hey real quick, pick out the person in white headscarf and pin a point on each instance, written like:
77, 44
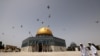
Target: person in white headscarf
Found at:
84, 50
93, 50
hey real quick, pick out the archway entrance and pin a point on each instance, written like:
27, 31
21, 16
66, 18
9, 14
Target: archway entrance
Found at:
40, 47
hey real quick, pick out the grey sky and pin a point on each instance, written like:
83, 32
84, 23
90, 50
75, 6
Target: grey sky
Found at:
72, 20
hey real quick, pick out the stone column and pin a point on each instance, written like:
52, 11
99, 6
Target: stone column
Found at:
76, 49
37, 47
42, 47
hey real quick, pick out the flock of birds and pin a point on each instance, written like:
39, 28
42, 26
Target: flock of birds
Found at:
21, 26
49, 16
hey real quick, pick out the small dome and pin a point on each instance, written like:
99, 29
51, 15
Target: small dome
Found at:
44, 31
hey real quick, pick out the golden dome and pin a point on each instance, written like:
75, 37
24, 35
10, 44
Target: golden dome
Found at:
43, 31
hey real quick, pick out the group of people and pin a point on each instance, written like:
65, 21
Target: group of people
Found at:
85, 51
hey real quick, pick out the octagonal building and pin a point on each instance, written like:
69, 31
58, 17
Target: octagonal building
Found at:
44, 41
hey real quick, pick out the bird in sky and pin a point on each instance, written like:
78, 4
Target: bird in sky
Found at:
49, 16
21, 26
48, 25
97, 21
2, 33
48, 7
13, 27
37, 19
42, 22
29, 32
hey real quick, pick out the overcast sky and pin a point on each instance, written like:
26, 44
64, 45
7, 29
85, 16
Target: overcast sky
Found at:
72, 20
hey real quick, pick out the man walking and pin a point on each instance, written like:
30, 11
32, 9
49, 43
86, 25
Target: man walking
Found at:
93, 50
84, 50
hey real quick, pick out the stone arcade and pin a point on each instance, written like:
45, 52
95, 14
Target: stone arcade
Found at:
44, 41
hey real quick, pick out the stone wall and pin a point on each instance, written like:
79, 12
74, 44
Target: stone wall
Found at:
44, 48
58, 48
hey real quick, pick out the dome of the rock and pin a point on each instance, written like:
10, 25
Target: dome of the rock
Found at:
44, 31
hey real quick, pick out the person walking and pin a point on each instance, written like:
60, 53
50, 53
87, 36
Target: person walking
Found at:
93, 50
84, 50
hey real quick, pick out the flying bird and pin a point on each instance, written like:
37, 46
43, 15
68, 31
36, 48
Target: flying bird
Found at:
48, 7
21, 26
49, 16
29, 32
97, 21
2, 33
37, 19
13, 27
48, 25
42, 22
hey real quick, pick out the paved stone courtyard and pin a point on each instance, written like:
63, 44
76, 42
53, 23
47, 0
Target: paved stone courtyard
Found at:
67, 53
